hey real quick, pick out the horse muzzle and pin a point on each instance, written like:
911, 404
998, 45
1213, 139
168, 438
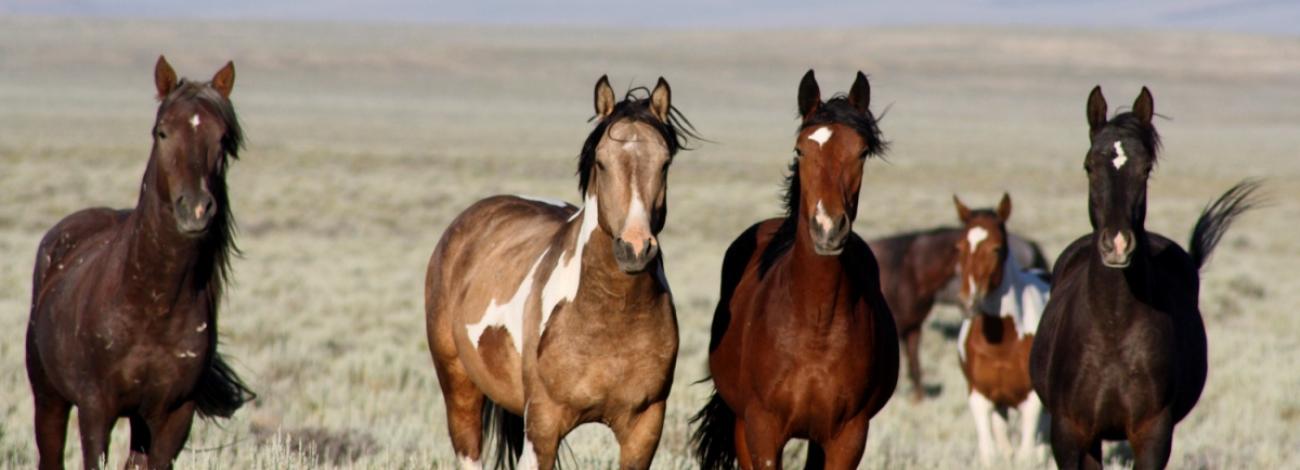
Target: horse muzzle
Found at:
633, 256
1116, 248
194, 213
829, 235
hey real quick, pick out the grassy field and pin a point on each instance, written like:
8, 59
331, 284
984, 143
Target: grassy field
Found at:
364, 141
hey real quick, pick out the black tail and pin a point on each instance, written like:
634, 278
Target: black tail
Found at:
1216, 218
507, 430
220, 392
715, 435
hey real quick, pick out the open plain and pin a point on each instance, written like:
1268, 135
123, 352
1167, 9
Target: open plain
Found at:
364, 141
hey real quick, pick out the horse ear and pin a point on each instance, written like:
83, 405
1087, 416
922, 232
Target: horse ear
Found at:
604, 97
164, 78
860, 94
224, 80
1144, 106
963, 212
661, 100
810, 96
1004, 208
1096, 110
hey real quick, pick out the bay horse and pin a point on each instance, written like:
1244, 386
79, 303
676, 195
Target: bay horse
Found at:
803, 344
1121, 350
918, 270
124, 302
542, 316
1004, 303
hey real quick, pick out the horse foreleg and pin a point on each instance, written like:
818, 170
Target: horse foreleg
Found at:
96, 425
844, 451
1152, 441
1031, 414
638, 436
1072, 448
545, 425
140, 440
764, 439
170, 430
51, 429
464, 403
981, 409
1000, 433
913, 341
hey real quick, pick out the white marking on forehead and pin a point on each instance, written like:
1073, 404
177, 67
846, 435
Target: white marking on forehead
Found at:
975, 236
562, 285
822, 217
821, 135
194, 121
1120, 156
510, 314
543, 200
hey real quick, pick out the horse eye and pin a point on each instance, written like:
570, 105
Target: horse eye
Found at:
600, 166
797, 152
161, 134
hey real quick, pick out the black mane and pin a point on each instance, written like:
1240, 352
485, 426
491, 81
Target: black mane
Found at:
836, 110
676, 132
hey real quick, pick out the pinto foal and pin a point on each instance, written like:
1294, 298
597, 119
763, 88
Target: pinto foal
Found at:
542, 316
1004, 301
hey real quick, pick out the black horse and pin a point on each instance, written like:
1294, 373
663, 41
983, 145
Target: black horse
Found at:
1121, 350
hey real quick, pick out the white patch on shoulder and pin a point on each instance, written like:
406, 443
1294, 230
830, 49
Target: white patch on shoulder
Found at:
823, 219
562, 285
510, 314
975, 236
821, 135
194, 121
1120, 156
543, 200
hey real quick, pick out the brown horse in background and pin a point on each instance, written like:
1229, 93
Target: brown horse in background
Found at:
542, 316
1004, 303
803, 344
1121, 352
917, 270
124, 302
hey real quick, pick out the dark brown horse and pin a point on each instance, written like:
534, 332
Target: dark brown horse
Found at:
124, 302
1004, 304
1121, 350
917, 270
542, 316
803, 344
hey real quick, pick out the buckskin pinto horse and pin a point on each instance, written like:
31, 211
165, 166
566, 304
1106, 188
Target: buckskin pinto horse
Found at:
1121, 350
124, 302
918, 269
543, 316
1004, 304
803, 344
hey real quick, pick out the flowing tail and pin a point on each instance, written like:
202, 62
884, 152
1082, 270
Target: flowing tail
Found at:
220, 392
506, 431
715, 435
1218, 216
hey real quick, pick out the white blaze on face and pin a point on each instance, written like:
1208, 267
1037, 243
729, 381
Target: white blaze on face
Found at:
194, 121
638, 220
562, 285
510, 314
975, 236
823, 219
1121, 243
1120, 156
821, 135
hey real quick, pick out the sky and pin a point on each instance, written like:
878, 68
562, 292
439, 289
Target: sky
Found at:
1276, 17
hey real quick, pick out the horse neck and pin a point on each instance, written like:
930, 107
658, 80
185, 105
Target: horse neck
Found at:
820, 281
600, 278
161, 264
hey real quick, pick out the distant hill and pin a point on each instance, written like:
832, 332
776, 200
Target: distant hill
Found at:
1246, 16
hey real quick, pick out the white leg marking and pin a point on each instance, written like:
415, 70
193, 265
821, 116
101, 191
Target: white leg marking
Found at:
981, 409
528, 457
961, 339
975, 236
1120, 156
543, 200
1031, 411
466, 463
823, 219
821, 135
510, 314
1000, 435
562, 285
194, 121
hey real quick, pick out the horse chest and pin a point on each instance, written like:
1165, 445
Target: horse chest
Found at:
996, 360
586, 359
